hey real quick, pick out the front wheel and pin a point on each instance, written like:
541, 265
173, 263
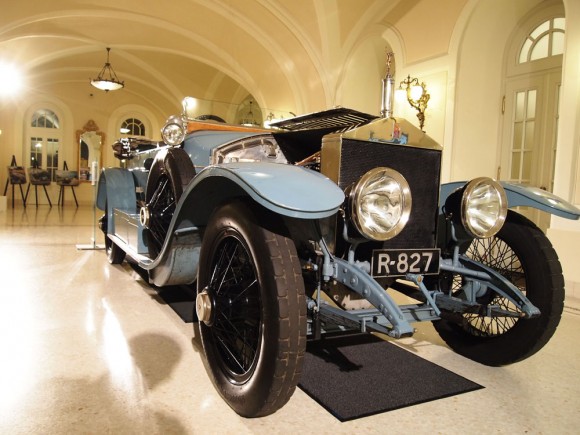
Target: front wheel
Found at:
252, 310
524, 255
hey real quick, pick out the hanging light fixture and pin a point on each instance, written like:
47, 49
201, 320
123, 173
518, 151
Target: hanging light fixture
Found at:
107, 80
249, 120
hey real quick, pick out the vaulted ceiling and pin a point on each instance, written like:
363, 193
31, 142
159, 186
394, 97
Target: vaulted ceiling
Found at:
288, 55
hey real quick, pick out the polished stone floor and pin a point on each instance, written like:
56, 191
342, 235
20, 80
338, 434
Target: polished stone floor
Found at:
87, 347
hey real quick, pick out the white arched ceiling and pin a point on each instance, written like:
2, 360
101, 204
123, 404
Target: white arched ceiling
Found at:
289, 56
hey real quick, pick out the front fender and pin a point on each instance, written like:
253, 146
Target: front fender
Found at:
284, 189
520, 195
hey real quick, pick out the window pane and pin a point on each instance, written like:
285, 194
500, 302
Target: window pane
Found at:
518, 136
525, 50
527, 167
560, 23
36, 151
557, 43
531, 109
541, 49
515, 170
520, 99
544, 27
529, 140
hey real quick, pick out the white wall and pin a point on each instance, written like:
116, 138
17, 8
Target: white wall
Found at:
565, 234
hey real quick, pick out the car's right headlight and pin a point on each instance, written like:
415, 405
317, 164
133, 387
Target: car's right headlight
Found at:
173, 132
480, 206
380, 204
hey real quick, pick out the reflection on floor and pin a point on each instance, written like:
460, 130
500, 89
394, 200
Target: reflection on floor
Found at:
88, 348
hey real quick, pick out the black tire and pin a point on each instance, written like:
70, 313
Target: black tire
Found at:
115, 255
170, 173
525, 256
253, 346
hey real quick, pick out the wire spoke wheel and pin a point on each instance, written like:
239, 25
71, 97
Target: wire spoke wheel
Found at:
161, 208
252, 309
236, 330
522, 254
497, 254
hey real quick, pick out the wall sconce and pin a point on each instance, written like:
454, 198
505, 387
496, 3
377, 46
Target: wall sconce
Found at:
417, 96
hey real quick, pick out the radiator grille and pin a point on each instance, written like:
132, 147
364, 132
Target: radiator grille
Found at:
421, 167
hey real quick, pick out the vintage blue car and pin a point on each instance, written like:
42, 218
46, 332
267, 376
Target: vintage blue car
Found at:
292, 232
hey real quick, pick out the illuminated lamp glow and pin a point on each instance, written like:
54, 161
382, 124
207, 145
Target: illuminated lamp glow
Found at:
10, 80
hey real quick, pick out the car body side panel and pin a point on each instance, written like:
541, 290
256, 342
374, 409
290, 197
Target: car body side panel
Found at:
116, 191
520, 195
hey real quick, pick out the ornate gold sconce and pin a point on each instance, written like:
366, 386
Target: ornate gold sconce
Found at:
417, 96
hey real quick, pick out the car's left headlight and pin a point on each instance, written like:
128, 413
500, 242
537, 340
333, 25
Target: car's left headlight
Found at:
480, 205
173, 132
380, 204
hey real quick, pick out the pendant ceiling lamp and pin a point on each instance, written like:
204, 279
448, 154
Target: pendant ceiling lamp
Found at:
107, 80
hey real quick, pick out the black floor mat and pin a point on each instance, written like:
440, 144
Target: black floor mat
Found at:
361, 375
356, 375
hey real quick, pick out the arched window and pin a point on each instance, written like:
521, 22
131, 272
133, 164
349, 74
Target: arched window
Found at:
532, 91
44, 118
133, 127
545, 40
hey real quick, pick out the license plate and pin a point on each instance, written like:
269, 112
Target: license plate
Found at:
400, 262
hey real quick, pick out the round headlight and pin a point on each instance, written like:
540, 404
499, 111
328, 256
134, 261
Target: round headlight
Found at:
483, 207
173, 132
380, 204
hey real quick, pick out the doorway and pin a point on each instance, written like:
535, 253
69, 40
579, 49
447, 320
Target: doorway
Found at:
530, 110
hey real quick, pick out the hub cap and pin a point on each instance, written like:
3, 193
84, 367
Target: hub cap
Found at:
203, 307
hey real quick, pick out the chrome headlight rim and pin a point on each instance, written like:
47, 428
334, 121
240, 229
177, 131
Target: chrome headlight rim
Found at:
173, 132
472, 188
359, 190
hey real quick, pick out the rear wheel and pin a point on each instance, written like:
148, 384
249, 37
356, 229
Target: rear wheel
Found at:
115, 255
252, 311
522, 254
